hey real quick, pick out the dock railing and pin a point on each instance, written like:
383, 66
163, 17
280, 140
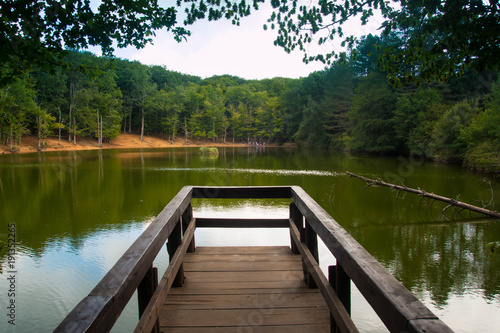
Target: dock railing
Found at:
397, 307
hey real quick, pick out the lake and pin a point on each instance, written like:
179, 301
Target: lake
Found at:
74, 213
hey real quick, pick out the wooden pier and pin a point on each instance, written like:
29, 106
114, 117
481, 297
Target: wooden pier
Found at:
244, 289
248, 289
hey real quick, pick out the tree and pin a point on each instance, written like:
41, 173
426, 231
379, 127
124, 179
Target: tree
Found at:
447, 142
167, 107
482, 136
337, 101
444, 37
17, 106
372, 110
143, 87
37, 33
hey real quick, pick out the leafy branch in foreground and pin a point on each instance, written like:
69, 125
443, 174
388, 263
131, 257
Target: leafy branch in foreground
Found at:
442, 37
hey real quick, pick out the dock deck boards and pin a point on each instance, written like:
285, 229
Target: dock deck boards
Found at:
244, 289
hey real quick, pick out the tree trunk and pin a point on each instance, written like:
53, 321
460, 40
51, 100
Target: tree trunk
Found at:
130, 120
142, 124
173, 131
60, 122
39, 132
74, 131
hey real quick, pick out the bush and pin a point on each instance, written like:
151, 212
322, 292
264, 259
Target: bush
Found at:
209, 151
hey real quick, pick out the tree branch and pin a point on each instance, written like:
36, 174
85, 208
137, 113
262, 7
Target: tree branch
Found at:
451, 202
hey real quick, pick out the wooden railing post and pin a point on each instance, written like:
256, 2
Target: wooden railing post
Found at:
187, 216
174, 241
311, 240
341, 283
298, 219
145, 291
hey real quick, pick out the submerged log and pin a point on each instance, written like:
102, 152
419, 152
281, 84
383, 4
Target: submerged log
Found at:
451, 202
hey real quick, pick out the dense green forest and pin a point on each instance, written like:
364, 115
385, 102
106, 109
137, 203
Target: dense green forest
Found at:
349, 105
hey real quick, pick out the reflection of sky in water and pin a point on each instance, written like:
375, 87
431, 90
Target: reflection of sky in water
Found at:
241, 237
64, 274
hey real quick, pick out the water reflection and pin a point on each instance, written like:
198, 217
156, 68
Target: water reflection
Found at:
77, 212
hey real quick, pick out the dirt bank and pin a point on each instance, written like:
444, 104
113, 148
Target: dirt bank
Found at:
125, 141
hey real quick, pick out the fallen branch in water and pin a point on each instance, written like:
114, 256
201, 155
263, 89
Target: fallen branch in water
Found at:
451, 202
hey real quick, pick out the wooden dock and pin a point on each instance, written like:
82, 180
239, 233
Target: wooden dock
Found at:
248, 289
244, 289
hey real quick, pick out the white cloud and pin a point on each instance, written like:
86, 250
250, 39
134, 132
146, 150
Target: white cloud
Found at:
217, 48
247, 51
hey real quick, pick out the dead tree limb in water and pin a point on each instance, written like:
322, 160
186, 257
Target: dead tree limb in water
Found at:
451, 202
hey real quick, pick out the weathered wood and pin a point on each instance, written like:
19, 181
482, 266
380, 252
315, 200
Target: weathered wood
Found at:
272, 299
250, 329
174, 241
341, 283
272, 257
145, 292
393, 303
241, 192
187, 217
240, 266
240, 223
248, 287
298, 219
243, 301
242, 317
245, 276
243, 250
342, 318
451, 202
311, 241
120, 283
150, 316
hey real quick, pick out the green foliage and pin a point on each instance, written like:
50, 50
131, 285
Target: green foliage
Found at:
209, 151
372, 111
344, 106
482, 136
442, 38
414, 119
447, 141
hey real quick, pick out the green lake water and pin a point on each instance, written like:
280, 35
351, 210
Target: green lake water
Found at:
74, 213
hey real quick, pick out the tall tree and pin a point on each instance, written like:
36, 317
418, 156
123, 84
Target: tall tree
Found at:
143, 87
371, 114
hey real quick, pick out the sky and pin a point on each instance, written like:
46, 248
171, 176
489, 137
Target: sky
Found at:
218, 48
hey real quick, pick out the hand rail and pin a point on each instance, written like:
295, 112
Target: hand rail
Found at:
398, 308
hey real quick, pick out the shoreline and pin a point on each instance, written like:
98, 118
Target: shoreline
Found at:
123, 141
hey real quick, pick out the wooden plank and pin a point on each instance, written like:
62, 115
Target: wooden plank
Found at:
248, 287
272, 257
393, 303
241, 192
239, 266
253, 329
173, 317
241, 250
244, 276
247, 295
268, 300
204, 222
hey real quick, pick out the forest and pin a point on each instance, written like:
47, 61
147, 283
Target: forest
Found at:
350, 105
